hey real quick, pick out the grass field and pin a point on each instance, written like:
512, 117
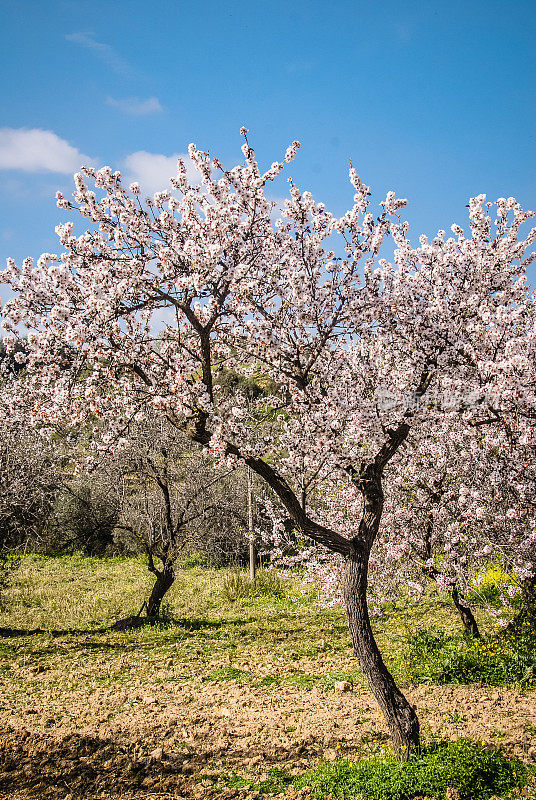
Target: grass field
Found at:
227, 698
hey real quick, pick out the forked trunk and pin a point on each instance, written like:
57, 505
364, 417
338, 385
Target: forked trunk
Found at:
466, 615
399, 713
164, 581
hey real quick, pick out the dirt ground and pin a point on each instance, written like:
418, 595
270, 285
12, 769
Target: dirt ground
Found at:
190, 739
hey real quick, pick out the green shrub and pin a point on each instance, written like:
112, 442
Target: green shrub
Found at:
501, 660
236, 585
193, 560
475, 772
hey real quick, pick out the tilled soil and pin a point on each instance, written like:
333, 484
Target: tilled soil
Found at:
188, 740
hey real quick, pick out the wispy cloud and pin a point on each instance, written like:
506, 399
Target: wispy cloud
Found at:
153, 170
103, 51
36, 150
135, 106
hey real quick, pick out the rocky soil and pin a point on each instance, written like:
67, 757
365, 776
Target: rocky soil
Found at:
191, 739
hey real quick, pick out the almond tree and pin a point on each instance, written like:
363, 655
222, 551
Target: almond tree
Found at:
456, 511
171, 499
30, 478
354, 344
454, 507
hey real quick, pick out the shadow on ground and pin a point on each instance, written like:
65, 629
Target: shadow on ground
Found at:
41, 766
126, 624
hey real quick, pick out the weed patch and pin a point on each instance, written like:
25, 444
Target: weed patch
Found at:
505, 659
472, 771
236, 585
240, 676
276, 781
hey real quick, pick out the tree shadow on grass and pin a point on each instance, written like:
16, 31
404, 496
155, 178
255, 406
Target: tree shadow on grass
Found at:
135, 622
13, 633
126, 624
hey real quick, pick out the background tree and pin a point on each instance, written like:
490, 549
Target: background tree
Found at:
84, 517
171, 501
30, 476
29, 482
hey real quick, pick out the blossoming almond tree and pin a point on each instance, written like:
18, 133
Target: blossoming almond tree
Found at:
353, 344
460, 506
454, 508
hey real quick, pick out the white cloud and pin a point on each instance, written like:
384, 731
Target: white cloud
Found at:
103, 51
36, 150
135, 106
153, 170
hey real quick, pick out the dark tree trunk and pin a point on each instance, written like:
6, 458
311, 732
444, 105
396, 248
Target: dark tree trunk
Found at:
527, 612
468, 620
165, 578
466, 615
399, 714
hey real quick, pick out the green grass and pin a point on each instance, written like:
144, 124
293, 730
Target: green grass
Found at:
474, 772
262, 639
237, 585
276, 781
73, 592
258, 636
503, 659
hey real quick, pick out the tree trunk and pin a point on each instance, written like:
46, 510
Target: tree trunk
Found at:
164, 581
399, 714
527, 612
252, 553
468, 620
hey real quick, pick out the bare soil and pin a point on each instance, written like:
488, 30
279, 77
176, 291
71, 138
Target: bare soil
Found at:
187, 739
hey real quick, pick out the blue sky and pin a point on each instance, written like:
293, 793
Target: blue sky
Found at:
435, 100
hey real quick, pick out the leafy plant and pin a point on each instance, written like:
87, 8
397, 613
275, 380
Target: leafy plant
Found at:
504, 659
491, 585
275, 782
474, 772
193, 559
